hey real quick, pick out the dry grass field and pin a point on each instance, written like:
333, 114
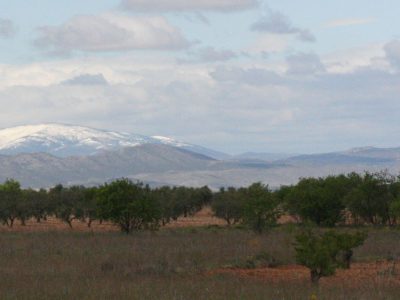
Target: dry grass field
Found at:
194, 258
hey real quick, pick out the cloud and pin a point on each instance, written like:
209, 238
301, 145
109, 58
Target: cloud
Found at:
277, 23
349, 22
350, 59
251, 76
304, 64
236, 107
209, 55
268, 43
108, 33
7, 29
392, 52
188, 5
86, 79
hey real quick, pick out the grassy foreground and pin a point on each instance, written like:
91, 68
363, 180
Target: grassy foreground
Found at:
175, 264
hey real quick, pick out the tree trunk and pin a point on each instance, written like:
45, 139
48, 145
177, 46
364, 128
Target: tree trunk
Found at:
347, 255
125, 227
315, 276
69, 222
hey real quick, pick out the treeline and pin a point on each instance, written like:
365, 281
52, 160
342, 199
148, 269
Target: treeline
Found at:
131, 206
370, 198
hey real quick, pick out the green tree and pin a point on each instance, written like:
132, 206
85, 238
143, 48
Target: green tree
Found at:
370, 201
24, 207
228, 204
131, 206
324, 253
40, 204
260, 208
86, 207
169, 204
66, 202
10, 195
319, 200
346, 242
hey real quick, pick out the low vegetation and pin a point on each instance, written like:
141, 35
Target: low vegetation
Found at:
333, 222
185, 263
324, 253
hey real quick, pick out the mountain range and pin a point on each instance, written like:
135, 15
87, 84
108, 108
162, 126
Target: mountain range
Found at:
69, 140
48, 154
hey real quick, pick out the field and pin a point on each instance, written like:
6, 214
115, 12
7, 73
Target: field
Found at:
183, 262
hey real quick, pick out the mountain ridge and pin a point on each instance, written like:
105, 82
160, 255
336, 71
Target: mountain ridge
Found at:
65, 140
162, 160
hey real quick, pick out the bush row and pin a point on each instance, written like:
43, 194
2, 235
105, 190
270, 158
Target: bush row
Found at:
370, 198
129, 205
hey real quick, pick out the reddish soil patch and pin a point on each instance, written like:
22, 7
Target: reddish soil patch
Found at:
359, 274
205, 217
54, 224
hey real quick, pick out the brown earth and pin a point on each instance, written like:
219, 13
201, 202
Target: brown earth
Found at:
360, 274
205, 217
202, 218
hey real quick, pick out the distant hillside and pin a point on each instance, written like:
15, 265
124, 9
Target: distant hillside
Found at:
167, 165
41, 169
262, 156
78, 155
70, 140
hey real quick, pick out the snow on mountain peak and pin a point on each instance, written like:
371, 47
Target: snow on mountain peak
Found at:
169, 141
67, 140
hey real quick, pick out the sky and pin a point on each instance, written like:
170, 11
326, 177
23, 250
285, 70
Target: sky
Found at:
237, 76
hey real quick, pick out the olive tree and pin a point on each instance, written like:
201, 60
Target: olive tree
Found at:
129, 205
260, 208
324, 253
228, 204
10, 195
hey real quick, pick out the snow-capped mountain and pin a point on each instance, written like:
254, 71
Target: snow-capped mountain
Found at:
70, 140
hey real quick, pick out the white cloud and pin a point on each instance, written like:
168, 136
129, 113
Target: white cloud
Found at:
111, 32
202, 103
349, 60
349, 22
304, 64
269, 43
251, 76
209, 55
188, 5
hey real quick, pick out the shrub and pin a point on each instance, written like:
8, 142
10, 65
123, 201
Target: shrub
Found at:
323, 254
10, 195
261, 208
318, 200
129, 205
228, 205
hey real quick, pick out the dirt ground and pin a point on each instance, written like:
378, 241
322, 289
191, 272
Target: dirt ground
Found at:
203, 218
359, 274
380, 273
